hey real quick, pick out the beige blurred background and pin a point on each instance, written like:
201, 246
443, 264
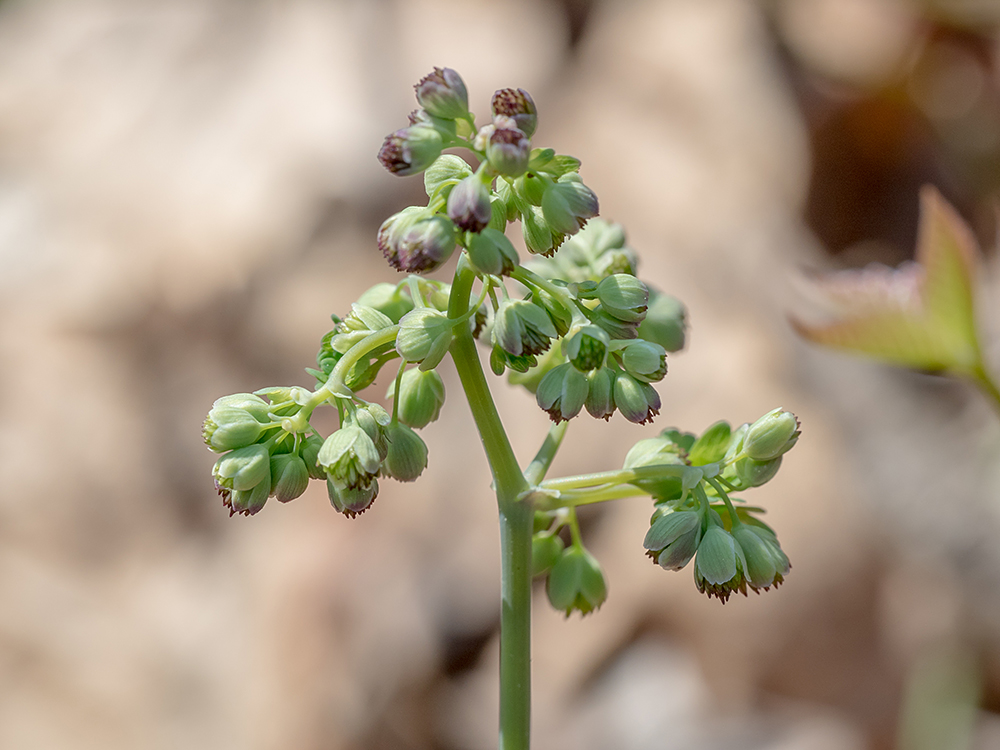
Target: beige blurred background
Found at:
188, 189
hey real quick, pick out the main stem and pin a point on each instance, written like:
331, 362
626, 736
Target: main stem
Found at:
516, 520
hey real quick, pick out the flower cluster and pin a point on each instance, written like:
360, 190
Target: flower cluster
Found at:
574, 325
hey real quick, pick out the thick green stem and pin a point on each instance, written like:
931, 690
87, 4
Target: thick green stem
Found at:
516, 519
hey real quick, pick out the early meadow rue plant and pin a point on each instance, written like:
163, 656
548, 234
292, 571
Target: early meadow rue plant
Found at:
572, 324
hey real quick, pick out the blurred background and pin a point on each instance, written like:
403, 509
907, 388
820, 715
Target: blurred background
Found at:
188, 189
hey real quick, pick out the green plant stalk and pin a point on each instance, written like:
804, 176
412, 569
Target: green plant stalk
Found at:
516, 519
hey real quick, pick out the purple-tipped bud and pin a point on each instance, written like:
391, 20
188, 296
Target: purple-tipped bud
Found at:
442, 93
469, 205
508, 148
410, 150
426, 245
517, 104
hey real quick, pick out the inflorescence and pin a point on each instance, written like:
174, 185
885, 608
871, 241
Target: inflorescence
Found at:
573, 324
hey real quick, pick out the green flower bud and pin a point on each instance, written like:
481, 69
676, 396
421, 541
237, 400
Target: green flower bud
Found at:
616, 261
425, 246
665, 322
522, 328
407, 456
388, 300
421, 395
505, 192
615, 328
350, 457
518, 105
247, 502
424, 336
351, 501
772, 435
644, 360
561, 316
546, 549
562, 392
289, 476
444, 174
600, 401
766, 564
576, 582
756, 473
530, 188
719, 566
373, 419
251, 403
638, 402
498, 214
658, 451
442, 93
538, 235
736, 442
469, 205
243, 468
673, 538
229, 427
492, 253
508, 148
568, 204
310, 456
410, 150
587, 348
711, 446
623, 297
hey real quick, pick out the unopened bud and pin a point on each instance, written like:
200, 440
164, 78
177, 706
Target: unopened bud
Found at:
407, 456
522, 328
720, 565
587, 348
469, 205
772, 435
424, 336
410, 150
492, 253
568, 204
243, 468
562, 392
638, 402
351, 501
576, 582
443, 94
672, 539
644, 360
421, 395
289, 476
518, 105
507, 148
229, 427
600, 401
624, 297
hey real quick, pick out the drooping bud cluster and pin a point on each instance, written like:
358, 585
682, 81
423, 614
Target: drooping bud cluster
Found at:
574, 581
694, 518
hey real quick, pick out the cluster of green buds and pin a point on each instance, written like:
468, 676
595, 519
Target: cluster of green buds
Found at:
574, 325
691, 480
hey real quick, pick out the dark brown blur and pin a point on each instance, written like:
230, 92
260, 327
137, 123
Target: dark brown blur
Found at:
188, 189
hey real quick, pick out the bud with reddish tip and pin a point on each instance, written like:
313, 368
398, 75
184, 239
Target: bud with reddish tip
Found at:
508, 148
410, 150
519, 106
469, 205
442, 93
